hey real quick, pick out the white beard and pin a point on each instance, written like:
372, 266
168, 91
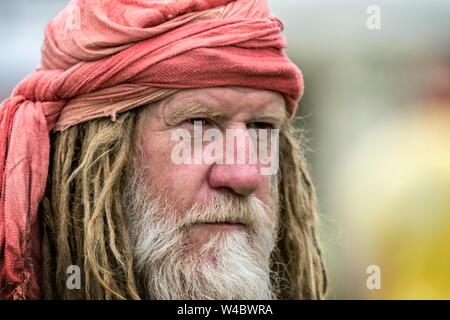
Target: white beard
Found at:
240, 268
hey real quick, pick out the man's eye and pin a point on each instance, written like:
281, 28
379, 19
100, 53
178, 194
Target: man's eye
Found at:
260, 125
197, 121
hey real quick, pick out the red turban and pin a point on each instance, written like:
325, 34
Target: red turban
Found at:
103, 57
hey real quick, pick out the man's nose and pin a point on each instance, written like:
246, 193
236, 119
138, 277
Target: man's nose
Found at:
241, 177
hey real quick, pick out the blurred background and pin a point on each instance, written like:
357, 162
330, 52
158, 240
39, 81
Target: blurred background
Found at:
377, 112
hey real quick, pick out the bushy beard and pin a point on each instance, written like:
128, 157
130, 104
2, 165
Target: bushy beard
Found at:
228, 265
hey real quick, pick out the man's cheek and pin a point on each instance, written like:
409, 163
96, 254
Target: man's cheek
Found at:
156, 157
187, 179
263, 192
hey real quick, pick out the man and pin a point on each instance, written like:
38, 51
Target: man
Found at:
118, 81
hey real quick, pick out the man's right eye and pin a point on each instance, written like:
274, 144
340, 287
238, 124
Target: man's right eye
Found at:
197, 121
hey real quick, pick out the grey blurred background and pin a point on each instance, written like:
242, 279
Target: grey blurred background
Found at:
377, 111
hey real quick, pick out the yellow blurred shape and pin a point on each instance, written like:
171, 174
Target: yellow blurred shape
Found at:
393, 201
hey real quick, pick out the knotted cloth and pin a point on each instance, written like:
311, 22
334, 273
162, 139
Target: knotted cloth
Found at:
104, 57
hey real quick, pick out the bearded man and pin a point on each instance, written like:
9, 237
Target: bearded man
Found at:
88, 177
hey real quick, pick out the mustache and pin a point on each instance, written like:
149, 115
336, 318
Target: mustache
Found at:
224, 208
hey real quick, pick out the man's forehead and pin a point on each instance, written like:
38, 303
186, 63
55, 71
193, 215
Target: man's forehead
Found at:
226, 103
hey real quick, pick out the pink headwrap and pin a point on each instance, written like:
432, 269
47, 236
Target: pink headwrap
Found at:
103, 57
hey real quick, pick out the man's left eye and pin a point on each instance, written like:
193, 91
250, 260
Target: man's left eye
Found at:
260, 125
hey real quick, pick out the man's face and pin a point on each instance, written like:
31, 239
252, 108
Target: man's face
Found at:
205, 216
241, 109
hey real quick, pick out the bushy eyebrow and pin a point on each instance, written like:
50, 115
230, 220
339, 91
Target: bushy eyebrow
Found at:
280, 116
188, 108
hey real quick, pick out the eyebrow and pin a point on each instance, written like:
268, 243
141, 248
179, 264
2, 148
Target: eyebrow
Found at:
281, 116
191, 108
